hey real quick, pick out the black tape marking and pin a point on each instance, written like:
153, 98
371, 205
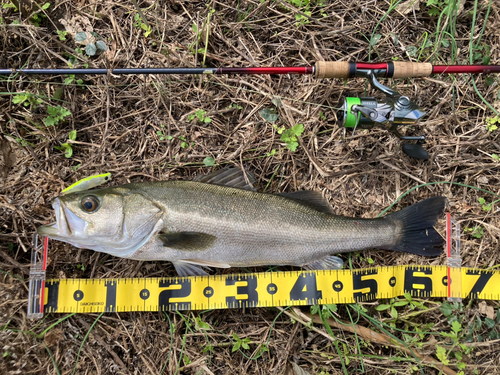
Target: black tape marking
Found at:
110, 295
52, 296
165, 295
352, 69
208, 291
411, 280
392, 281
484, 277
359, 283
78, 295
145, 294
272, 288
390, 70
337, 286
311, 293
250, 290
445, 281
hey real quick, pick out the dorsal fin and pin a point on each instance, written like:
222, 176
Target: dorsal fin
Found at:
230, 176
312, 198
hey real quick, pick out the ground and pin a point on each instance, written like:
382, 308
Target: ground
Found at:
59, 129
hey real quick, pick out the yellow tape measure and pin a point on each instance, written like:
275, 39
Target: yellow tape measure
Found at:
292, 288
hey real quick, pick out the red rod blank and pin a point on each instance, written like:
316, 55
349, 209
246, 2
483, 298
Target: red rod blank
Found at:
473, 69
442, 69
375, 66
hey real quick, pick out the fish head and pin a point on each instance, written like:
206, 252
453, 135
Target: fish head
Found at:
116, 221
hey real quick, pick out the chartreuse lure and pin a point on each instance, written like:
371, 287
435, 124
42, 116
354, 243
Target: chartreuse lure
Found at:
88, 183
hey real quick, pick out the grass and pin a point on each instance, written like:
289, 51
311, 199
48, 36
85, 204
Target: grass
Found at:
120, 122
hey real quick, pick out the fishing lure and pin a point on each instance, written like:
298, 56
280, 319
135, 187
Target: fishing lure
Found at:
87, 183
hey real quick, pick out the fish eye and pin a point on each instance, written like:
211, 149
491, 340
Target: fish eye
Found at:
90, 203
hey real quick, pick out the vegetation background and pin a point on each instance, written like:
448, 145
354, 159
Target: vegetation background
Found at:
59, 129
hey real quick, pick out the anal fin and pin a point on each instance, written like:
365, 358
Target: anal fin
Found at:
330, 262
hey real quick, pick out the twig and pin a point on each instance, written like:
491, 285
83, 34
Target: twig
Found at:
401, 171
378, 338
313, 160
104, 345
305, 320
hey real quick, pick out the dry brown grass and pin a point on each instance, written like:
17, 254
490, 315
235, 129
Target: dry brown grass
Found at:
117, 120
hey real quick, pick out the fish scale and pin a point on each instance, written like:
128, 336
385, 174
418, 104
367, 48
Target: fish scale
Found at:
252, 226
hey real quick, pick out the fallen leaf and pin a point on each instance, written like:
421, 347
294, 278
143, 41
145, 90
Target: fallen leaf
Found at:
408, 6
175, 21
461, 7
53, 337
9, 157
295, 369
487, 310
482, 180
77, 24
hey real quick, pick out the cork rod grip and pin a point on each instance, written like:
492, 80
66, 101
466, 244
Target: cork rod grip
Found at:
331, 69
410, 69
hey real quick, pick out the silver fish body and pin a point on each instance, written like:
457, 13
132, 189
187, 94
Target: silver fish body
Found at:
196, 224
253, 229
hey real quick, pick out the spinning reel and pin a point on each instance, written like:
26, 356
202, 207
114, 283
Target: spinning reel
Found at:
395, 110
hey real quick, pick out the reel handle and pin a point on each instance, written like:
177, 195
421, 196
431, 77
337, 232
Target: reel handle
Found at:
396, 69
415, 150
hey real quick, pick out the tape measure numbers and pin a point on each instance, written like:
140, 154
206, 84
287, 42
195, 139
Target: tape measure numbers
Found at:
292, 288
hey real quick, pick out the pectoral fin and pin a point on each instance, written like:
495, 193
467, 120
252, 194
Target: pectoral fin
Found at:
330, 262
187, 241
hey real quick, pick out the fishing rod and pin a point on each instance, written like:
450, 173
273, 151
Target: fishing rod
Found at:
366, 112
322, 69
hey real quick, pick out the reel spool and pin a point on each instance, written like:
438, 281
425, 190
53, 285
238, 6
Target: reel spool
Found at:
395, 110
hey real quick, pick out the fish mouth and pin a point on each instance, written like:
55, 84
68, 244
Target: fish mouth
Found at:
66, 223
49, 230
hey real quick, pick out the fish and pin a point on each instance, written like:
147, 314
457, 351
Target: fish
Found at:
221, 221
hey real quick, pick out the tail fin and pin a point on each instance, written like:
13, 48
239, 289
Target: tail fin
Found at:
417, 234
